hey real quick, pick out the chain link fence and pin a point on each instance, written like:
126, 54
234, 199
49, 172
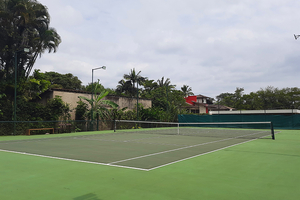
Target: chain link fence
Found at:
58, 127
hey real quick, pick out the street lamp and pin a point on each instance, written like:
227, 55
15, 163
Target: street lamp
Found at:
103, 67
137, 101
15, 99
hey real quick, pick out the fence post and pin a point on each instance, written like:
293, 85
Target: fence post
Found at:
115, 125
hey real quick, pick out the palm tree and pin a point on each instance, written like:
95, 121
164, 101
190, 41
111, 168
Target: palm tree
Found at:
98, 105
168, 87
149, 86
133, 78
124, 87
49, 40
186, 90
166, 83
24, 23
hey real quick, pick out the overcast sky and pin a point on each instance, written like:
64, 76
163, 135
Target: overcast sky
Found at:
212, 46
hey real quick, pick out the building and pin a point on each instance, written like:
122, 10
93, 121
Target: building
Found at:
71, 97
201, 104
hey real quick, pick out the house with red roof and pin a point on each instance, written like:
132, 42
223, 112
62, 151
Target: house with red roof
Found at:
200, 104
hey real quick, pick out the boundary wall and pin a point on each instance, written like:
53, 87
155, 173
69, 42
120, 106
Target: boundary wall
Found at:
279, 121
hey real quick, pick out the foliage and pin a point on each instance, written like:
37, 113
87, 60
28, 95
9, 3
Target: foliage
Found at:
35, 85
6, 109
121, 114
54, 109
99, 108
159, 98
166, 83
63, 81
149, 86
23, 23
57, 109
81, 110
111, 91
149, 114
187, 91
166, 100
127, 86
268, 98
96, 87
128, 115
1, 95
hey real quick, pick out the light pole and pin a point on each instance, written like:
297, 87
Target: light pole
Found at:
137, 101
92, 116
15, 97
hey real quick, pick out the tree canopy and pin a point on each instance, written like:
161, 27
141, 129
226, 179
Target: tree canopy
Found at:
187, 91
23, 23
268, 98
127, 85
99, 105
63, 81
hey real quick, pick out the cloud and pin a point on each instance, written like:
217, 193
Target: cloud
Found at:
213, 46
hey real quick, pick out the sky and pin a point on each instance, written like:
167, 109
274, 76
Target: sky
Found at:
212, 46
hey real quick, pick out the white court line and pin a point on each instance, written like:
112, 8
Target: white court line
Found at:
162, 152
200, 155
74, 160
204, 153
136, 168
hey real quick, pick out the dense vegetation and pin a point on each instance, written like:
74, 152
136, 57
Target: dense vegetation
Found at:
167, 102
24, 25
264, 99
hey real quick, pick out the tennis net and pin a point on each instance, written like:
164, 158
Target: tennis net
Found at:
244, 130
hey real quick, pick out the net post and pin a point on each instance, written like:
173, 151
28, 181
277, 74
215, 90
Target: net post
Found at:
272, 131
177, 128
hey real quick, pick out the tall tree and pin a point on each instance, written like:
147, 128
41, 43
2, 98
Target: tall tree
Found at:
268, 98
149, 86
226, 99
234, 100
165, 83
35, 85
238, 98
23, 23
187, 90
125, 88
134, 78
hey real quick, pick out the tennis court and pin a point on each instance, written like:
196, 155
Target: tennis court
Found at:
256, 169
156, 145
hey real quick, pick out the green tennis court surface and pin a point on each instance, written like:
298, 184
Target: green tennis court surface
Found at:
137, 149
255, 169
